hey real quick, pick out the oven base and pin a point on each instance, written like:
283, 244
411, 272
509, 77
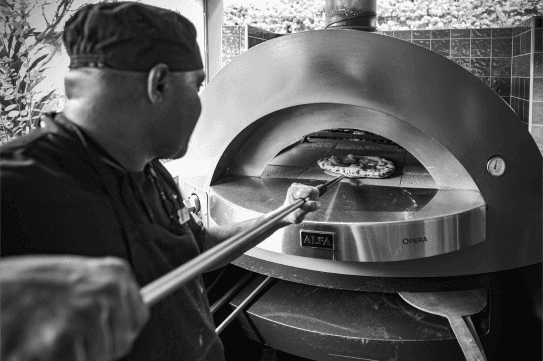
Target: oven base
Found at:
327, 324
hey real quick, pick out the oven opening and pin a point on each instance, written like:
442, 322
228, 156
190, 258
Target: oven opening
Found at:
373, 219
300, 160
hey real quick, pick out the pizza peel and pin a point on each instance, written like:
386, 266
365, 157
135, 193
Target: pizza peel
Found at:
165, 285
457, 307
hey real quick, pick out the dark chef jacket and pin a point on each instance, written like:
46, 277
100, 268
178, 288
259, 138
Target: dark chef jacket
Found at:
62, 194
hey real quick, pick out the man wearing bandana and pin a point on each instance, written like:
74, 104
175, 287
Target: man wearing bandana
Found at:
89, 182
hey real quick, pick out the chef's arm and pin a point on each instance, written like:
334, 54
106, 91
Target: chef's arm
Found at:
215, 235
57, 307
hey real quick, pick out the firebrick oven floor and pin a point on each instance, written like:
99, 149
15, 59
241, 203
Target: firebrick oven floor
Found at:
300, 162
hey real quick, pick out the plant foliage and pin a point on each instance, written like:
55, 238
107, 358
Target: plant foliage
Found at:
24, 55
290, 16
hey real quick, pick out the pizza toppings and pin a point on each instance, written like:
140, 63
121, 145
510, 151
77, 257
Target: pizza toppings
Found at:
358, 166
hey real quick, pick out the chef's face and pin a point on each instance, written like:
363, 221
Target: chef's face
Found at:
183, 109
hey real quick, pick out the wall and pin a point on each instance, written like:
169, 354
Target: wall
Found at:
484, 52
238, 39
537, 88
509, 60
520, 75
214, 12
234, 42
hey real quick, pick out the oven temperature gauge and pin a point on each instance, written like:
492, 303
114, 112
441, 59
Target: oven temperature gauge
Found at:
496, 166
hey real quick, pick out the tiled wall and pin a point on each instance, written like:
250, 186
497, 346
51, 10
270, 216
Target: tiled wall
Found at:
509, 60
233, 42
484, 52
520, 74
537, 90
237, 39
256, 36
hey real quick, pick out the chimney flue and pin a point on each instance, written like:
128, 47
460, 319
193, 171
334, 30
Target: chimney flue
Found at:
351, 14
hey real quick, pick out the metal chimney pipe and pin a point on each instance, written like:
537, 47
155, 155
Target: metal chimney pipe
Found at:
351, 14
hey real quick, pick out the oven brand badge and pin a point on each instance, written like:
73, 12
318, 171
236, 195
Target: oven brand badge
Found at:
312, 239
414, 240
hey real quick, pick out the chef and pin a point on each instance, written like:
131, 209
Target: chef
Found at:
90, 182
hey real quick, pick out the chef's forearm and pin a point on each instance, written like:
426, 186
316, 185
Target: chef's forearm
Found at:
215, 235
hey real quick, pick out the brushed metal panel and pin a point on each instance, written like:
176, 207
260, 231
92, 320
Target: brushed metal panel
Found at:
396, 80
370, 223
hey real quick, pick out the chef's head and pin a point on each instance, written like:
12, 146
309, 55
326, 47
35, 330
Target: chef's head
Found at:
142, 59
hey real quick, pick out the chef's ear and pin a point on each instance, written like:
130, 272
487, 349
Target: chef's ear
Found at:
157, 82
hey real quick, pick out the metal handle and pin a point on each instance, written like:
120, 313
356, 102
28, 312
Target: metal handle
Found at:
163, 286
324, 187
243, 304
226, 297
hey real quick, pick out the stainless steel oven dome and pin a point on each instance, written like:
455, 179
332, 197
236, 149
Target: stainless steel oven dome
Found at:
446, 118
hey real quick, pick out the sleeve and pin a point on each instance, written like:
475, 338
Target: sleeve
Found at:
43, 210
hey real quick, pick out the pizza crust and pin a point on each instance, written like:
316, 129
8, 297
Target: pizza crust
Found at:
358, 166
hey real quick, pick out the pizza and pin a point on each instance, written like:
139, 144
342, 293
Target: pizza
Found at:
358, 166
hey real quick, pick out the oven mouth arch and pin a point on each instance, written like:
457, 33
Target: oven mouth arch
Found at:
422, 88
254, 147
369, 228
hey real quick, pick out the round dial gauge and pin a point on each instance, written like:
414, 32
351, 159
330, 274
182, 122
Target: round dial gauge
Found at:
496, 166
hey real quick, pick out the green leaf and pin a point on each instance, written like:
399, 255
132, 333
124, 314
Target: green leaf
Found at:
43, 101
40, 47
35, 62
10, 107
13, 113
16, 65
22, 85
17, 47
10, 41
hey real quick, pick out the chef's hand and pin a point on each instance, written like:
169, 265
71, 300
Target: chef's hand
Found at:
68, 308
296, 191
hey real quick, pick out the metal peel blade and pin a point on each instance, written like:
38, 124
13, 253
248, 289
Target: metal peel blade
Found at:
456, 306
